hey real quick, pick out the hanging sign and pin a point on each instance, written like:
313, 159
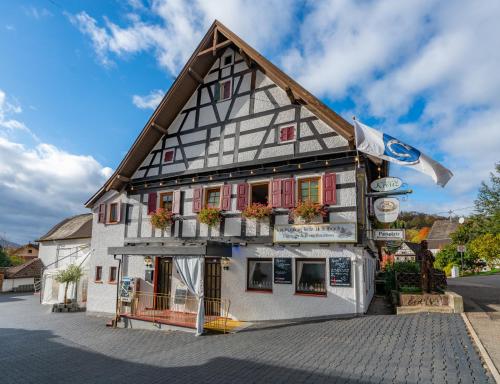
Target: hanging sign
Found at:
282, 270
386, 184
340, 271
386, 209
388, 234
316, 233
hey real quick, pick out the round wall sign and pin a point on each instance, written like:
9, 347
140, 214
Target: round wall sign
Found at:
386, 209
386, 184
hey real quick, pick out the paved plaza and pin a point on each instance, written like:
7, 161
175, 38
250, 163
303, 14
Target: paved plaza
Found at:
37, 346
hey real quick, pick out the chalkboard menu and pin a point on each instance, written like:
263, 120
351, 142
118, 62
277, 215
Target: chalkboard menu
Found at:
283, 270
340, 272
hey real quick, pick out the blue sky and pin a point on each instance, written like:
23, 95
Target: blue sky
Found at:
78, 80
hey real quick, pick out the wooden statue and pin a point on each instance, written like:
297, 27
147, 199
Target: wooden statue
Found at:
427, 264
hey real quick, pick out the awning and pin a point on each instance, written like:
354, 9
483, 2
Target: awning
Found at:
177, 249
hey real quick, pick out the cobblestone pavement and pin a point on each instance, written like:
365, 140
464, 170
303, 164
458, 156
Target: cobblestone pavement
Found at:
37, 346
482, 306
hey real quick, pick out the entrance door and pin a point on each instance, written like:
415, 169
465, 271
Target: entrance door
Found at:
163, 282
212, 286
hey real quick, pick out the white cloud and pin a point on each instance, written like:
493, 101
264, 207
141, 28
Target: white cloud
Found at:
7, 109
149, 101
41, 185
37, 13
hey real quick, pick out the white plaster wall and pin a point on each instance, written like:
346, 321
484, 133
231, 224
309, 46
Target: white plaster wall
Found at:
48, 252
9, 284
283, 303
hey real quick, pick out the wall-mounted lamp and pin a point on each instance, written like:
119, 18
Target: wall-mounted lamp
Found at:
225, 261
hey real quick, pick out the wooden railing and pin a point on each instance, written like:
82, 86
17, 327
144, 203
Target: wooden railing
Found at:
177, 310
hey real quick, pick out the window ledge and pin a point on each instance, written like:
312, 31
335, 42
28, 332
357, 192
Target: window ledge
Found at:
259, 290
310, 294
98, 281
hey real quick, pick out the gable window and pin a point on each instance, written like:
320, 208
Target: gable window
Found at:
169, 156
310, 276
309, 190
260, 274
166, 200
227, 60
113, 213
260, 193
30, 251
223, 90
112, 275
98, 274
212, 198
287, 134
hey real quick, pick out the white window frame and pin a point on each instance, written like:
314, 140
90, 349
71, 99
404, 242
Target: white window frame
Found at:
173, 157
231, 89
294, 125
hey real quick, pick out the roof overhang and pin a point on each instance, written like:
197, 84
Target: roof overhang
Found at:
212, 249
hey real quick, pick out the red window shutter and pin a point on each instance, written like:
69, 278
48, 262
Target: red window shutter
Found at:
227, 89
152, 197
197, 198
102, 213
176, 203
329, 188
288, 193
283, 134
225, 192
169, 156
291, 133
242, 196
276, 201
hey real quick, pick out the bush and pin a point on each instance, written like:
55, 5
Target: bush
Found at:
210, 216
392, 268
257, 211
308, 211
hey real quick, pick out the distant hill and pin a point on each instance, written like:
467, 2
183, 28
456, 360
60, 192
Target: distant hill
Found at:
8, 244
418, 220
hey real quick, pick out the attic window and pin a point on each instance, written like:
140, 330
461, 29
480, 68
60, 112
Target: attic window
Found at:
227, 60
287, 134
223, 90
169, 156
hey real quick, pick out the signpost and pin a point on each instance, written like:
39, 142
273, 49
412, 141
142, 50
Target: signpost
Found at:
386, 209
388, 234
461, 249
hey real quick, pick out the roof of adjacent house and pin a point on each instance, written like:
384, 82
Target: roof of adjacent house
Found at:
76, 227
196, 68
32, 268
440, 233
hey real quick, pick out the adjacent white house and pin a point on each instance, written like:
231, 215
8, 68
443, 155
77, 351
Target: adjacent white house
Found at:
232, 131
68, 242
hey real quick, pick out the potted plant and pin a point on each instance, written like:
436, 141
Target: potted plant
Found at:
210, 216
72, 274
162, 218
306, 212
257, 211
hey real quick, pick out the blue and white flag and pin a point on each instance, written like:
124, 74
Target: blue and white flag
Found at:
383, 146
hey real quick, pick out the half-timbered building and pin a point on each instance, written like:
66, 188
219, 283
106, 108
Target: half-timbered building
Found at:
234, 130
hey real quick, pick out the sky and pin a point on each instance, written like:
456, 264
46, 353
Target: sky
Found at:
79, 79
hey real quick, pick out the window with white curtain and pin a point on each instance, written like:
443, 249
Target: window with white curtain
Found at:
260, 274
310, 278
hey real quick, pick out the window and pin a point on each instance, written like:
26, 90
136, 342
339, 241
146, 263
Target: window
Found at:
113, 213
112, 274
227, 60
223, 90
287, 134
310, 278
212, 198
309, 190
169, 156
98, 274
260, 193
166, 200
30, 251
260, 274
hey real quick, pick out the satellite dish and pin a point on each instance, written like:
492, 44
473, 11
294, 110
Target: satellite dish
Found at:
461, 220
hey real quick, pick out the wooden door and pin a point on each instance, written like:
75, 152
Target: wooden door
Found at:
164, 282
212, 286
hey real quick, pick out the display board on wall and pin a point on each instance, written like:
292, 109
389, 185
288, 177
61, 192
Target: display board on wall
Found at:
315, 233
282, 270
340, 271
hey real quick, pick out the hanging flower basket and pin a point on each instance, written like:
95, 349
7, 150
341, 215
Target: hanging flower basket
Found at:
257, 211
162, 219
210, 216
306, 211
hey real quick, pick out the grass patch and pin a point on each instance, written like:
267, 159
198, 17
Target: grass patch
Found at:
494, 271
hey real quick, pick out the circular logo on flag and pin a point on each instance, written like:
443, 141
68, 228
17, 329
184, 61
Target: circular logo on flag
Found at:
400, 151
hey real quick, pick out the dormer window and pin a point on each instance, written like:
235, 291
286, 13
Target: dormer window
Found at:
223, 90
169, 156
287, 134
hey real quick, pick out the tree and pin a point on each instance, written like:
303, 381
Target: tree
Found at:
16, 260
488, 199
4, 258
487, 248
448, 256
72, 274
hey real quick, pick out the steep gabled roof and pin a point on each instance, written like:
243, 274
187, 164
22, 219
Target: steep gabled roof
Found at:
440, 233
32, 268
76, 227
196, 68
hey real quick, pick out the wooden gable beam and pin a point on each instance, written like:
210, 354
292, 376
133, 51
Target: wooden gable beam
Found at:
247, 59
159, 128
291, 96
195, 75
217, 47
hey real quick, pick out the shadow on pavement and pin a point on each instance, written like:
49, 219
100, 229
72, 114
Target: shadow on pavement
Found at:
8, 297
42, 357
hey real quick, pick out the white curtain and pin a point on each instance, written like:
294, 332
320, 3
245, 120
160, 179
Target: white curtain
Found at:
190, 269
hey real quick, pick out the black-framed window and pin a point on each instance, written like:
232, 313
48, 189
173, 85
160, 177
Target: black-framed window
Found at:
260, 274
259, 193
310, 276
